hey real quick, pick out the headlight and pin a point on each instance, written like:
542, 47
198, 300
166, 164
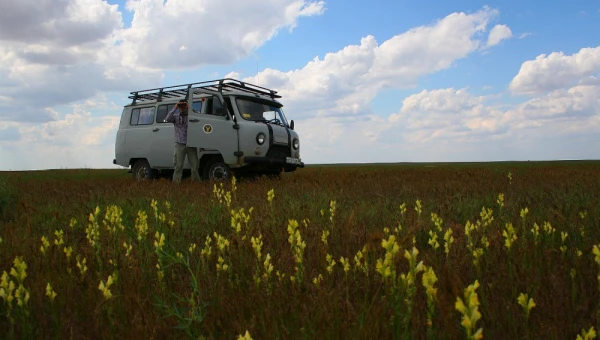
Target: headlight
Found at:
296, 144
260, 138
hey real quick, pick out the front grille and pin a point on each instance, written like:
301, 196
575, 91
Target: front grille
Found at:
279, 151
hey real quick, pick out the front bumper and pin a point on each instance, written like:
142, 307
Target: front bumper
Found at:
278, 161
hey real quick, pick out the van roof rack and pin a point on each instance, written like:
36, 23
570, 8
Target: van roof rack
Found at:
220, 85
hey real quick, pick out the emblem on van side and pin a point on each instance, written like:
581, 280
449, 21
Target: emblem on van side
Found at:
208, 128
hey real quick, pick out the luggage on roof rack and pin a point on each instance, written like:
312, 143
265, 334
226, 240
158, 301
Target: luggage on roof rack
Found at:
218, 85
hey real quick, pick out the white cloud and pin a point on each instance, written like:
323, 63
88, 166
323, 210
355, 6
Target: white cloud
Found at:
213, 32
447, 113
557, 70
497, 34
454, 125
344, 82
233, 75
64, 23
525, 35
70, 140
55, 52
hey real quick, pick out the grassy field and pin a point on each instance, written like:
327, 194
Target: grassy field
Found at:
423, 251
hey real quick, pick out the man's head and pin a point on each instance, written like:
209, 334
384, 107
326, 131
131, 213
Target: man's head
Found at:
182, 105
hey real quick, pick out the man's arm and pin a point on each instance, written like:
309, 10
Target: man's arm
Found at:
169, 118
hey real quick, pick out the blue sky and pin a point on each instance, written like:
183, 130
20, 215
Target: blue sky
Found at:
408, 80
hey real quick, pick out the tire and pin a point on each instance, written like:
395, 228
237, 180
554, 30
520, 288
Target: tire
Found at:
216, 170
141, 170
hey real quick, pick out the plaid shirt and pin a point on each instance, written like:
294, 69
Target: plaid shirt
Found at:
181, 125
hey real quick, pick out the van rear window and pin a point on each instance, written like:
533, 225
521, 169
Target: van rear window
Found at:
142, 116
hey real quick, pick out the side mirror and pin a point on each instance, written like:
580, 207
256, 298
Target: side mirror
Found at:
292, 124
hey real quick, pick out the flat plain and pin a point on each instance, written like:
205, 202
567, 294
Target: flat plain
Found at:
505, 250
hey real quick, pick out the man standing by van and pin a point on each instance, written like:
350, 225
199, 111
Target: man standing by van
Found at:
179, 117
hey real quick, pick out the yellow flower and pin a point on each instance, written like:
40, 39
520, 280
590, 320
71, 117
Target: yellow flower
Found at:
19, 270
7, 286
331, 210
59, 240
330, 263
105, 287
470, 311
587, 335
270, 195
257, 244
128, 248
526, 302
246, 336
510, 235
317, 280
437, 221
82, 266
45, 245
596, 251
524, 212
221, 265
113, 220
536, 232
159, 240
448, 240
548, 228
68, 251
500, 200
345, 263
92, 231
268, 266
324, 236
429, 280
402, 209
141, 225
22, 296
418, 207
50, 293
433, 240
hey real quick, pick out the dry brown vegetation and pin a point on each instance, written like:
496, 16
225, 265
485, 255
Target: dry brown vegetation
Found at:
559, 272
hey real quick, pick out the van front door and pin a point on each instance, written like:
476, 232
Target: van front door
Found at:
213, 128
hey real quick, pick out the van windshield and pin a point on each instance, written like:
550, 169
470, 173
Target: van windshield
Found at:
261, 111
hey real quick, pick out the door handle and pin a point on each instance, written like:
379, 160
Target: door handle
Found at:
194, 120
156, 129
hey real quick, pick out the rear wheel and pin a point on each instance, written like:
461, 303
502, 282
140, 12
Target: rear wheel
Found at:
141, 170
216, 170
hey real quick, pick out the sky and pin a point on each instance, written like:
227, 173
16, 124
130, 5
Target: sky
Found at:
386, 81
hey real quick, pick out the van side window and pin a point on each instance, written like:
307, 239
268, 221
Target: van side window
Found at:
135, 115
162, 112
197, 105
142, 116
214, 107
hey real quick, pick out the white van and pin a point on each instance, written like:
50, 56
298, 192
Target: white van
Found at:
237, 127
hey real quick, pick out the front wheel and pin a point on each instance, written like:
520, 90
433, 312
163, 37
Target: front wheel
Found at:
216, 170
141, 170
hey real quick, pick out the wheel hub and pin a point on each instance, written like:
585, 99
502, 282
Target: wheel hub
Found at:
142, 173
219, 172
